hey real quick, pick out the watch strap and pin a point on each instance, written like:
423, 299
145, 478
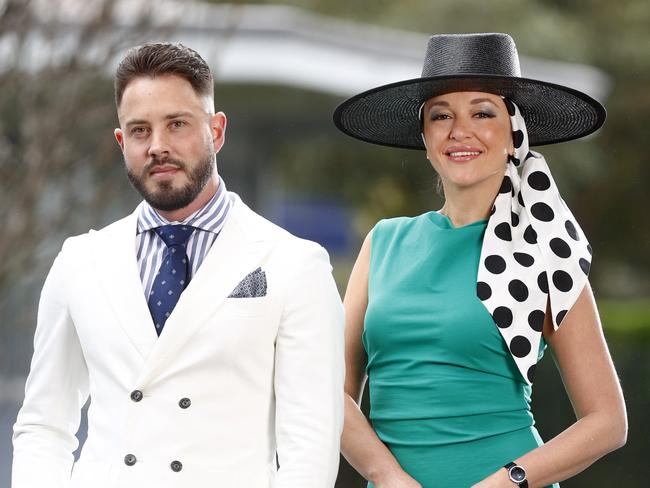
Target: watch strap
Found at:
523, 483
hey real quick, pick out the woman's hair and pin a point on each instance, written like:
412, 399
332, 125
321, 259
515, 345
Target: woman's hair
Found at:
158, 59
440, 190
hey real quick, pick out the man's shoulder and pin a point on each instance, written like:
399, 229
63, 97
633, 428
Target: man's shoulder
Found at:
81, 242
116, 227
283, 240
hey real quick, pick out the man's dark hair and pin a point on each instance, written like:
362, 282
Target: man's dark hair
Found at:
158, 59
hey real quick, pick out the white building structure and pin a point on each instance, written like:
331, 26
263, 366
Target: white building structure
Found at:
264, 44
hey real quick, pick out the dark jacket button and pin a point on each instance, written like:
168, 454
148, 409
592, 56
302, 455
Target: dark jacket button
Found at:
184, 403
130, 460
136, 395
176, 466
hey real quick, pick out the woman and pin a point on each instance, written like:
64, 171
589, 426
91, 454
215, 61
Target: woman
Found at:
448, 312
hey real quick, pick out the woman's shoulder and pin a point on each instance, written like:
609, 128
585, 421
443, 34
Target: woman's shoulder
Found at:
400, 224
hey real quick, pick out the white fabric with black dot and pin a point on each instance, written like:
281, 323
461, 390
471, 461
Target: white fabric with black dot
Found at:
533, 250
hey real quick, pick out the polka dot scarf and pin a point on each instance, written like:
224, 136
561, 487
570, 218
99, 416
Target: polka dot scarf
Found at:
533, 249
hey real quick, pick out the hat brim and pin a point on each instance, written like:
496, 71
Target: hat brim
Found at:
388, 115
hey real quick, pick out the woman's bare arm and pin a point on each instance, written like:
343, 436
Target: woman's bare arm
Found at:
359, 443
591, 382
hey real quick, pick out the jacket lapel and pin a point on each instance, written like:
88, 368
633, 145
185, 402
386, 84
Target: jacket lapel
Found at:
237, 251
119, 278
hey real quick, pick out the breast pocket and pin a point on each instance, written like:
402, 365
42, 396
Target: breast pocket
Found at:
246, 307
245, 321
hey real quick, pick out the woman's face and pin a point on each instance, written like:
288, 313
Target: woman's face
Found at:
468, 138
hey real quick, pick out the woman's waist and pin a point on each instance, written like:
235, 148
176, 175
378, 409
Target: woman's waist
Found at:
455, 429
446, 395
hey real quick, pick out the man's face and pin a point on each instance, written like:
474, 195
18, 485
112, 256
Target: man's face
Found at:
169, 137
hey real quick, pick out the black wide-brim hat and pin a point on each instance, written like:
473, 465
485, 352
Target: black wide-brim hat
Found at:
389, 114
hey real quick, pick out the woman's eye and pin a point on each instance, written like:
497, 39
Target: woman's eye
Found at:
484, 115
439, 116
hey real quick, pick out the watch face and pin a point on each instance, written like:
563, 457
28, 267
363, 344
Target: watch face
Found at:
517, 474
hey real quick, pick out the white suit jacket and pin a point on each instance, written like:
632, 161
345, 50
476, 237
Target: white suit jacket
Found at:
261, 374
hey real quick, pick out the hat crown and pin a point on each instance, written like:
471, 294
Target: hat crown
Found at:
463, 54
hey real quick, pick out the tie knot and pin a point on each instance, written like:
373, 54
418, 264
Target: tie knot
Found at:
174, 234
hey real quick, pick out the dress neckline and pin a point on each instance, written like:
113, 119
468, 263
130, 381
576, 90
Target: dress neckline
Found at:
444, 222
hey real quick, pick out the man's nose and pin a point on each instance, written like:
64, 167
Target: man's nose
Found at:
159, 144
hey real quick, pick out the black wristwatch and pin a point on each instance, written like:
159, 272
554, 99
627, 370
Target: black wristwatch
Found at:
517, 474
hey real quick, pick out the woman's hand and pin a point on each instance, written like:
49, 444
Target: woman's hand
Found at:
397, 479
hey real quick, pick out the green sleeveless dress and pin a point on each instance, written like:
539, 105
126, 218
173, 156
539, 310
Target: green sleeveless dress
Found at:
445, 394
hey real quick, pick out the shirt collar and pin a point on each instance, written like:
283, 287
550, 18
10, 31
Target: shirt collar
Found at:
209, 218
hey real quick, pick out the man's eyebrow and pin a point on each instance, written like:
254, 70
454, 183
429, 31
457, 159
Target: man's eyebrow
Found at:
135, 122
175, 115
171, 116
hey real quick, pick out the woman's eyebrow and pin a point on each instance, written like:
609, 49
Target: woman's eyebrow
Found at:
480, 100
442, 103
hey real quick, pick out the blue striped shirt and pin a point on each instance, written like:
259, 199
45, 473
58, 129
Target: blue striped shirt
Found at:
150, 248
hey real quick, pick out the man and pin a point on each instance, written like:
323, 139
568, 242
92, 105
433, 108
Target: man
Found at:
208, 339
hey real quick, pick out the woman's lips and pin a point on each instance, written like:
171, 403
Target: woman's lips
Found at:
462, 154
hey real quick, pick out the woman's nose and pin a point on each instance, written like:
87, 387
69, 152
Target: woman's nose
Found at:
460, 129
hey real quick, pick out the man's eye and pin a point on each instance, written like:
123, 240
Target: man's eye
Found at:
136, 131
177, 124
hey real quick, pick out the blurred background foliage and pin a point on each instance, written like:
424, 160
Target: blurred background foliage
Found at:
61, 171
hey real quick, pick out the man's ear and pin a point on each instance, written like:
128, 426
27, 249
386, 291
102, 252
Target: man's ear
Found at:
119, 137
218, 124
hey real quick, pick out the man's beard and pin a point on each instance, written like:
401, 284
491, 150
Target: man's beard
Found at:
165, 197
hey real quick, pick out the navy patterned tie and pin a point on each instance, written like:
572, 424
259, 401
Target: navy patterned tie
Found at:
173, 275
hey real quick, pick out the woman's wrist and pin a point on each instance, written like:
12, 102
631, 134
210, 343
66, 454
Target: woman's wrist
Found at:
498, 479
380, 473
384, 473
